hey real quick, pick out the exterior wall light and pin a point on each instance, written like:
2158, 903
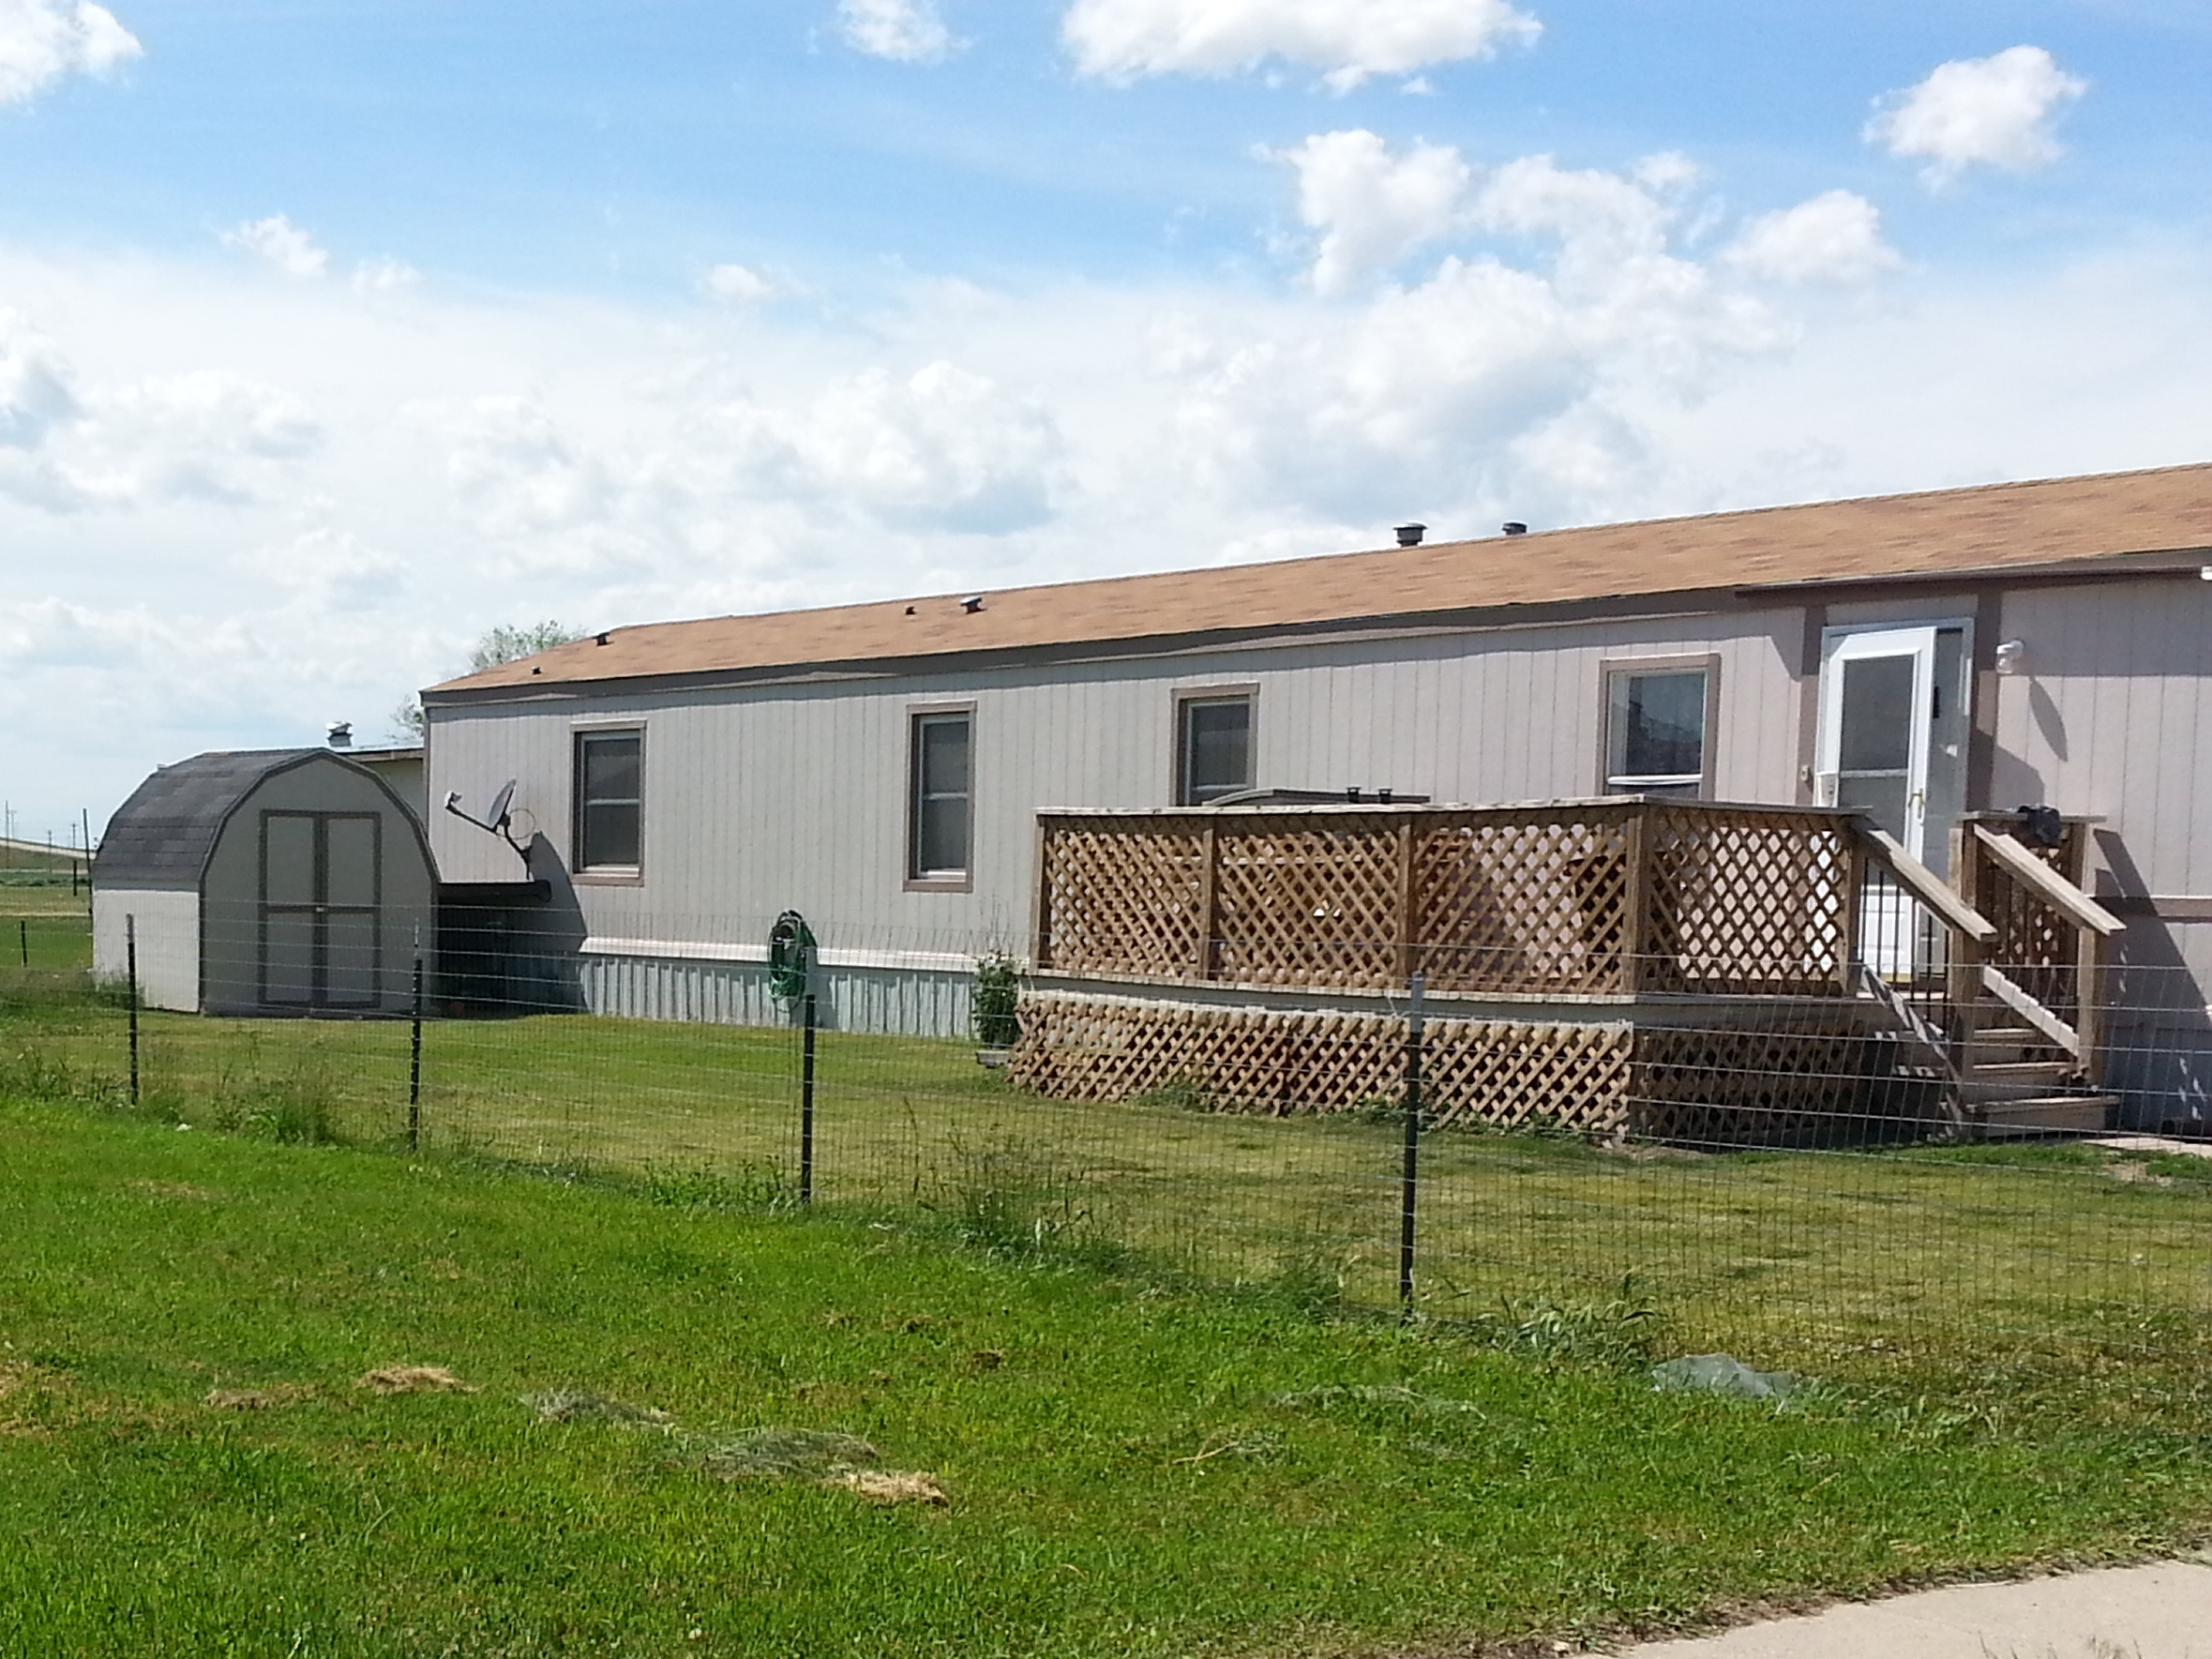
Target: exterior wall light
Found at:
2009, 656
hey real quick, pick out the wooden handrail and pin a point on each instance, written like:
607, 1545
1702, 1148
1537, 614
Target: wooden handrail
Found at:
1930, 888
2051, 887
2008, 991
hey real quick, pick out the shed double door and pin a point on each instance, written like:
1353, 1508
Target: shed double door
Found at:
320, 893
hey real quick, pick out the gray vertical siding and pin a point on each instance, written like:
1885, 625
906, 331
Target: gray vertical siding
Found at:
2111, 715
763, 799
912, 1001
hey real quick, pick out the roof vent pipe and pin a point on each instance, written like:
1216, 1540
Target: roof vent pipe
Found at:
1514, 527
341, 734
1409, 535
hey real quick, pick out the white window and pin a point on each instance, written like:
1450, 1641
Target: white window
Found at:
940, 820
1214, 748
1656, 739
610, 800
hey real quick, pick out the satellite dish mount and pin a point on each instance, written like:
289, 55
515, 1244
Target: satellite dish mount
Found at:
498, 821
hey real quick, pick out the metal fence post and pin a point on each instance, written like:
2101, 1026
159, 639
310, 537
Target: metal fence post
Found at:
807, 1104
23, 929
130, 973
415, 1059
1409, 1183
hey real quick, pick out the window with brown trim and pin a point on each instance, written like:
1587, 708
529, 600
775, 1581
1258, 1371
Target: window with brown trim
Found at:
1656, 737
1213, 748
939, 779
609, 801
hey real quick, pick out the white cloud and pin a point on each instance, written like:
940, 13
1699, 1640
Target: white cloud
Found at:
35, 389
43, 41
906, 31
739, 284
1349, 41
941, 448
1371, 207
1833, 237
1993, 111
1430, 393
384, 276
283, 244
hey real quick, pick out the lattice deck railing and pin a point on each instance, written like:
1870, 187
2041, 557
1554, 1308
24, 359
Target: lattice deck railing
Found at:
1569, 898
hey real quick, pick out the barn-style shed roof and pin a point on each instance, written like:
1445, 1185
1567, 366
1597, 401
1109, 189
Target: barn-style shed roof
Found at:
164, 833
2104, 522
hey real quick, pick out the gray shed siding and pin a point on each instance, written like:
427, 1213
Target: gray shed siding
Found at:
230, 891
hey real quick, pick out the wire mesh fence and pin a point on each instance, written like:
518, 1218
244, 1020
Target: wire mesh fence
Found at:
1803, 1180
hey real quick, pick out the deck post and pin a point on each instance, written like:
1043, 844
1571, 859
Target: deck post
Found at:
1847, 943
1041, 916
2089, 1011
1636, 925
1208, 902
1967, 957
1408, 922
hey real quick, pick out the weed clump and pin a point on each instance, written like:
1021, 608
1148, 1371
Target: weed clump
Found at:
802, 1454
388, 1380
1622, 1331
578, 1404
753, 1185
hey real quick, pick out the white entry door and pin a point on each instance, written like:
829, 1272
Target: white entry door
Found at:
1877, 704
1877, 698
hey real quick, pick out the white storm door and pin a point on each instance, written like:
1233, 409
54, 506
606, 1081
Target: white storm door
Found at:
1878, 701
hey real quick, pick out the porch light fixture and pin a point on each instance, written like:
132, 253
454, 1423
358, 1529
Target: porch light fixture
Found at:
2010, 654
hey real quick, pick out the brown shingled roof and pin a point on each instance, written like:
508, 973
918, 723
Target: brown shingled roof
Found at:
1991, 528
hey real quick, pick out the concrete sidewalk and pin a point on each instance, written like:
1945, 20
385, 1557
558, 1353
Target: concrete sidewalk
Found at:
2161, 1611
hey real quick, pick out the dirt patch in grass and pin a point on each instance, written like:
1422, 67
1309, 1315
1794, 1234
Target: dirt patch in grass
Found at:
891, 1486
801, 1453
578, 1404
413, 1380
183, 1190
255, 1399
844, 1461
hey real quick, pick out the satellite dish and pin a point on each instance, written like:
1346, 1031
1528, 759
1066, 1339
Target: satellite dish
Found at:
521, 824
497, 817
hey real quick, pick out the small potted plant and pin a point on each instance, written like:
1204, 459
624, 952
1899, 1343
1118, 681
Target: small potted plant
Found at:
992, 1007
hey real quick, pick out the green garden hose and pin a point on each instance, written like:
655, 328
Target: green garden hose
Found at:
791, 955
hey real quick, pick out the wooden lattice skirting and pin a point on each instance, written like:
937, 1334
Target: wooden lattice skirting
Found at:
1827, 1078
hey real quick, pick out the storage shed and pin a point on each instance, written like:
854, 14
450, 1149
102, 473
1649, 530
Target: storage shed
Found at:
265, 882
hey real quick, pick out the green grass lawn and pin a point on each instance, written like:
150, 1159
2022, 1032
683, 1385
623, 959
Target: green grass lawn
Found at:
44, 929
1930, 1263
1130, 1467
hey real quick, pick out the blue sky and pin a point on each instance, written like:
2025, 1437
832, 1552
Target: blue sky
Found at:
332, 334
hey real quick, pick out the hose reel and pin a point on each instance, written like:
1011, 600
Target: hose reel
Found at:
790, 957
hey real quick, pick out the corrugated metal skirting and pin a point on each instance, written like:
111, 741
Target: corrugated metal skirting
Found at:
880, 1002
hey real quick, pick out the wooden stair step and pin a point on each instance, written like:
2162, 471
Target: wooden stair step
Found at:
2047, 1114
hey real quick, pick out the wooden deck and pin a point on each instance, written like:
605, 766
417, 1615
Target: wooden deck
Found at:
1679, 969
